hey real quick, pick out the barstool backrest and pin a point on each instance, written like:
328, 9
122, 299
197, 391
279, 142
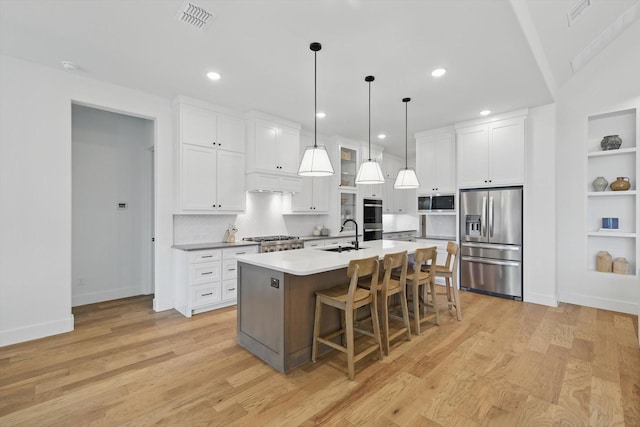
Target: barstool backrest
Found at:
453, 251
391, 262
361, 268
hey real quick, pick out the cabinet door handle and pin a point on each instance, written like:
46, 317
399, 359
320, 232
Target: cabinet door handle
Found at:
240, 253
206, 256
231, 269
206, 273
207, 294
231, 289
219, 206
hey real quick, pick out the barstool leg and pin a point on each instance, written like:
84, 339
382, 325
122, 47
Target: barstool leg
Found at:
447, 281
432, 286
416, 307
405, 312
316, 329
456, 299
376, 326
350, 342
385, 325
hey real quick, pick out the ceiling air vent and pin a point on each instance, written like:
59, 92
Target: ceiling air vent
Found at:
577, 10
609, 34
195, 15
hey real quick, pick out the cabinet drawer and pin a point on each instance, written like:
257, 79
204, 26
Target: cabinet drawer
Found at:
231, 253
204, 272
229, 269
204, 256
313, 243
206, 294
229, 289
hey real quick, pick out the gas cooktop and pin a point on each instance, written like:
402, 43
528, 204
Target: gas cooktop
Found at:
277, 238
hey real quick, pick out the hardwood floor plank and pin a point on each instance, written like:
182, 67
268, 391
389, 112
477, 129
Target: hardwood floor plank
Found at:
506, 363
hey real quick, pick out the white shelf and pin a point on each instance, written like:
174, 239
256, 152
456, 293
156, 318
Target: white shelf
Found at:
630, 276
611, 234
611, 193
612, 152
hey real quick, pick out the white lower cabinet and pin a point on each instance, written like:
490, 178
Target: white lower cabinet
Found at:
206, 279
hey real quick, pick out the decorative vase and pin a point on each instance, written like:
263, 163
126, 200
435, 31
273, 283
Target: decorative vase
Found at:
620, 266
603, 262
611, 142
621, 184
600, 183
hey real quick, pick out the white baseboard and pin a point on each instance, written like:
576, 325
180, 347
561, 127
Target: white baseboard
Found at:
39, 330
111, 294
628, 307
543, 299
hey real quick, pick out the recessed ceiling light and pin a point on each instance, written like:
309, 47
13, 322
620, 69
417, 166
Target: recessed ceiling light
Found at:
321, 115
485, 112
212, 75
438, 72
68, 65
382, 136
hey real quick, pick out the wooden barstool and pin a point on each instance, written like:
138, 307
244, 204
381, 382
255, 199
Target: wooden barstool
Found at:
450, 273
389, 286
349, 298
416, 277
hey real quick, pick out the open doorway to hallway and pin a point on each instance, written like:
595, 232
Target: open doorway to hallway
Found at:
112, 208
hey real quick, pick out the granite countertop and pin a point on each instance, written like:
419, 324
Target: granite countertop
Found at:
303, 262
213, 245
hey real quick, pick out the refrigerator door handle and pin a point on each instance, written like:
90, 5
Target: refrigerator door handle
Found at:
483, 217
491, 246
491, 216
490, 261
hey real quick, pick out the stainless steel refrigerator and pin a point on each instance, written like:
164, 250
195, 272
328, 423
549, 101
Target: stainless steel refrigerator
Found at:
491, 241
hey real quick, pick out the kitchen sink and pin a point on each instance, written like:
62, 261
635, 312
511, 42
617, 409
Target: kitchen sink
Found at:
342, 249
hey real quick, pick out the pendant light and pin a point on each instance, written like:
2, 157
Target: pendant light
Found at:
370, 171
407, 178
315, 161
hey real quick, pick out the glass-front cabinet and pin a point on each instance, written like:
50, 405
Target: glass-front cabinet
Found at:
348, 208
348, 166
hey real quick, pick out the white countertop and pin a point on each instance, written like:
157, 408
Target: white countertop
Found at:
303, 262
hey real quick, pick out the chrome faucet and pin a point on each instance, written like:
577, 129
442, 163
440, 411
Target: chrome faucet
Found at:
355, 242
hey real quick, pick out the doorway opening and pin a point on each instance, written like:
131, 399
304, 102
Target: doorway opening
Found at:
112, 205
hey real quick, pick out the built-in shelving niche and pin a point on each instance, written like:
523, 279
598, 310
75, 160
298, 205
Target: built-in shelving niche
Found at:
623, 205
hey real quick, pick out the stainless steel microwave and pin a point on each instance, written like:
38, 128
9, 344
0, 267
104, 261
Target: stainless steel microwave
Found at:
437, 203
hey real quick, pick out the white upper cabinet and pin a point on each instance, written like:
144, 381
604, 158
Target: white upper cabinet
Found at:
272, 147
491, 154
210, 161
199, 126
435, 161
314, 197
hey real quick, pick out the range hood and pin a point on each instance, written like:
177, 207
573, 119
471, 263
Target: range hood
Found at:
265, 182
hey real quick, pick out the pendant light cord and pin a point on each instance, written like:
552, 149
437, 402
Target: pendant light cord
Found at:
369, 121
406, 125
315, 99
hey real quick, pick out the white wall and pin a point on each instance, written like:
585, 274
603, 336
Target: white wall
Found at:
539, 238
609, 82
111, 163
35, 192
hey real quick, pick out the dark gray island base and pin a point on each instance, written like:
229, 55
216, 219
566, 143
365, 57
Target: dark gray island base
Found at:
276, 313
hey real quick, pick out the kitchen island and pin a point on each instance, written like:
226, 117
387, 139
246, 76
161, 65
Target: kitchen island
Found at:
276, 297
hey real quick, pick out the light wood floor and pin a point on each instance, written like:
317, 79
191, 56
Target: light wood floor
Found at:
506, 363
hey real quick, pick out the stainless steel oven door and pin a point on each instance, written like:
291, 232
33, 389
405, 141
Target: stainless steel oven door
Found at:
372, 212
372, 233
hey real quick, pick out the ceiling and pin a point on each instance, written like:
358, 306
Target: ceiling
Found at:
261, 49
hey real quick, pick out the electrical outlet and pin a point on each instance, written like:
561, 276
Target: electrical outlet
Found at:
82, 282
275, 283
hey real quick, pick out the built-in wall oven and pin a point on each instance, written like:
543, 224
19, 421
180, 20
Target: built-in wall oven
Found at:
372, 219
